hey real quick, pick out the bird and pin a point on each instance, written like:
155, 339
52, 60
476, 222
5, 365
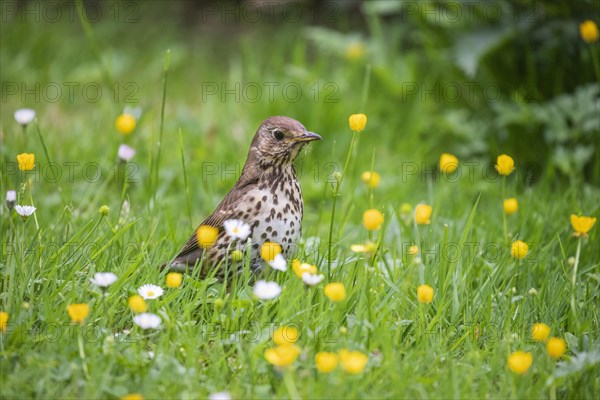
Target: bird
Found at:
266, 198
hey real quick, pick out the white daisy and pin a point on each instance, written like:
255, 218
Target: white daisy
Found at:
125, 152
147, 321
149, 291
312, 279
220, 396
24, 211
103, 279
24, 116
279, 263
266, 290
236, 229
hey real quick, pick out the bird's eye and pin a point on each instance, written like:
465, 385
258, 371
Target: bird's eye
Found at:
278, 134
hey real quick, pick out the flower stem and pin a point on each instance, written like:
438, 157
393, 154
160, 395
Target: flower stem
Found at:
105, 307
335, 196
290, 385
348, 156
11, 266
330, 239
37, 126
421, 266
37, 225
24, 137
82, 352
503, 213
574, 283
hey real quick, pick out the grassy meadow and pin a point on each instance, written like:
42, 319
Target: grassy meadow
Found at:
433, 306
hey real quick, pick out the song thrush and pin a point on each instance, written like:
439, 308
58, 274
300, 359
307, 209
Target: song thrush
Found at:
266, 198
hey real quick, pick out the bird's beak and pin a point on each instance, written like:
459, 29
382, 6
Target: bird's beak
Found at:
307, 137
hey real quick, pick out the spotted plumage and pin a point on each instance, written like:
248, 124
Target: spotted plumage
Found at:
267, 197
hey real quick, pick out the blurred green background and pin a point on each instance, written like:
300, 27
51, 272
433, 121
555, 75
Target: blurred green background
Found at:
474, 78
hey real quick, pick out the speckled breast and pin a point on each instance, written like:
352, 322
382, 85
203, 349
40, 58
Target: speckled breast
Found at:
274, 212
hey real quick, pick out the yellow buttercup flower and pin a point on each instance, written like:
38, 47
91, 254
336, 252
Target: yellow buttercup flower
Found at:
132, 396
237, 255
269, 250
357, 122
353, 362
78, 312
582, 225
207, 236
368, 247
285, 335
371, 179
519, 249
448, 163
325, 361
174, 279
505, 165
3, 321
372, 219
335, 291
540, 332
511, 206
423, 214
556, 347
413, 250
104, 210
588, 31
300, 268
26, 161
519, 362
137, 304
425, 294
125, 123
282, 356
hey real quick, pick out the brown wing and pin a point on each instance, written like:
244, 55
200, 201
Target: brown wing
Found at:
225, 210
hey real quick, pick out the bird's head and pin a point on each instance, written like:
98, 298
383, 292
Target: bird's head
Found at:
280, 139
